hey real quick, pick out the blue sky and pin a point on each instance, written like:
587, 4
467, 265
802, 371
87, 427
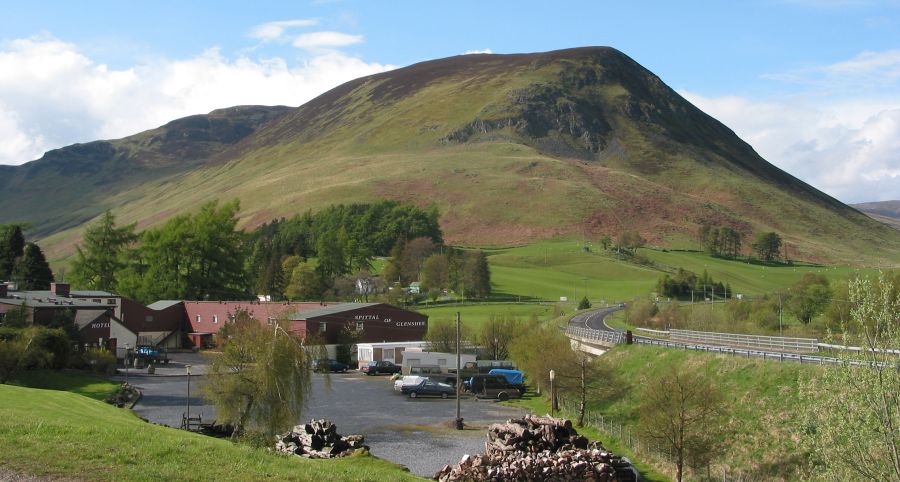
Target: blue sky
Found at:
813, 85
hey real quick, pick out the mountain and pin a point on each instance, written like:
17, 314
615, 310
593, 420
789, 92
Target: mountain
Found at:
511, 148
887, 212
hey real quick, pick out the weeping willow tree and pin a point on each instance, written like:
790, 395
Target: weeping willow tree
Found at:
853, 410
261, 379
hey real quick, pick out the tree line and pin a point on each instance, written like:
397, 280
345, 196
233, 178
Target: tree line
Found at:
324, 255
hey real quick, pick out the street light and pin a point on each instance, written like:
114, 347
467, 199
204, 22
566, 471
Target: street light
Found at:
127, 350
552, 392
188, 421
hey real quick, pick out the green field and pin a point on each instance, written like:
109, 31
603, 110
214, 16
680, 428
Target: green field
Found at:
472, 315
558, 268
63, 434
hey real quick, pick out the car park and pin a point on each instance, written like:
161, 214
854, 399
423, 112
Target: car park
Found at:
428, 388
379, 367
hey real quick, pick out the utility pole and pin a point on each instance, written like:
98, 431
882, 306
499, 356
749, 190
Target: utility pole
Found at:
459, 420
780, 317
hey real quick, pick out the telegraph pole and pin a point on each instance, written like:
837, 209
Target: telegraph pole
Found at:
459, 420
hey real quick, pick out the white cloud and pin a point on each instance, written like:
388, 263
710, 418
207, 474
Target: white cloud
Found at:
272, 31
484, 51
849, 148
841, 133
52, 94
326, 40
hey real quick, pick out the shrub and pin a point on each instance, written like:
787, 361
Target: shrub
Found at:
100, 360
639, 312
57, 346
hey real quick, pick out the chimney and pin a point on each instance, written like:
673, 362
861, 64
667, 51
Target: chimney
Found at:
60, 289
3, 290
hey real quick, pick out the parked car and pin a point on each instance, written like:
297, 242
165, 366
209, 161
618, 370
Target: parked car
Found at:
330, 365
378, 367
150, 354
434, 373
491, 386
408, 380
483, 366
428, 388
514, 378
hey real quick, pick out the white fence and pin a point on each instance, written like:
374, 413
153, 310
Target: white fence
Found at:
600, 336
774, 343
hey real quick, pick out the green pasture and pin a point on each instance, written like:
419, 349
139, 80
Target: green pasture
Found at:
558, 268
473, 315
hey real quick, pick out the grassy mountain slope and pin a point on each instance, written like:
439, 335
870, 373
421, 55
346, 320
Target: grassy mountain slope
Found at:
887, 212
512, 148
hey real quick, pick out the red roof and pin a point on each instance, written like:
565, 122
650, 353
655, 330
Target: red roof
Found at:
209, 316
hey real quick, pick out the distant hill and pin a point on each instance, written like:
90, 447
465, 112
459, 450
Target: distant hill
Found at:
887, 212
510, 148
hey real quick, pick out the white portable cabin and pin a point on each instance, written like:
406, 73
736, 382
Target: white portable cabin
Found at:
447, 361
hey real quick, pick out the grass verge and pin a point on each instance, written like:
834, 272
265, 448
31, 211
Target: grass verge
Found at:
95, 441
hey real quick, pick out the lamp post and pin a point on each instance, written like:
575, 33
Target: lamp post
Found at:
188, 421
127, 350
552, 392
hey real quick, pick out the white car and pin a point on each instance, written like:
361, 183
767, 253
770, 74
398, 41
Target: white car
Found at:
407, 380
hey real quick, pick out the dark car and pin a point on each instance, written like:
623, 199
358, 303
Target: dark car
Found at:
150, 354
492, 386
330, 365
378, 367
428, 388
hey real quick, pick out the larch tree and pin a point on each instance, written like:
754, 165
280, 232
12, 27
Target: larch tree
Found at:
100, 255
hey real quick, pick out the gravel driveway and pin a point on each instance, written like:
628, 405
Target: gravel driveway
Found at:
397, 428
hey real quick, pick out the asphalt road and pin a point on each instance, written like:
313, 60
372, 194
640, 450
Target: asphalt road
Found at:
397, 428
594, 319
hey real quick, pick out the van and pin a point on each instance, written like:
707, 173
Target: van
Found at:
492, 386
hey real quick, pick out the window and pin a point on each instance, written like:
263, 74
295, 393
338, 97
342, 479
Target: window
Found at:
215, 318
442, 362
359, 326
96, 300
111, 301
322, 326
198, 319
388, 354
271, 320
148, 318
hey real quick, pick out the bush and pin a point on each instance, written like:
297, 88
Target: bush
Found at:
100, 360
57, 346
639, 312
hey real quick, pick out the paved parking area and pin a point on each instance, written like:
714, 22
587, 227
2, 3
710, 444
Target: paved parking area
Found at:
403, 430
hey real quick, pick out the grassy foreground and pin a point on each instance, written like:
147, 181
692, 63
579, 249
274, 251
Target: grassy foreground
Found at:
62, 434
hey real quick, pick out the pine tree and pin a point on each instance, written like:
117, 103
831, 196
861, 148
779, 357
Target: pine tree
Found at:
32, 270
12, 244
100, 255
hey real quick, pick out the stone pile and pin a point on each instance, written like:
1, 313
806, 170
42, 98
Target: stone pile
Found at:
539, 448
318, 439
